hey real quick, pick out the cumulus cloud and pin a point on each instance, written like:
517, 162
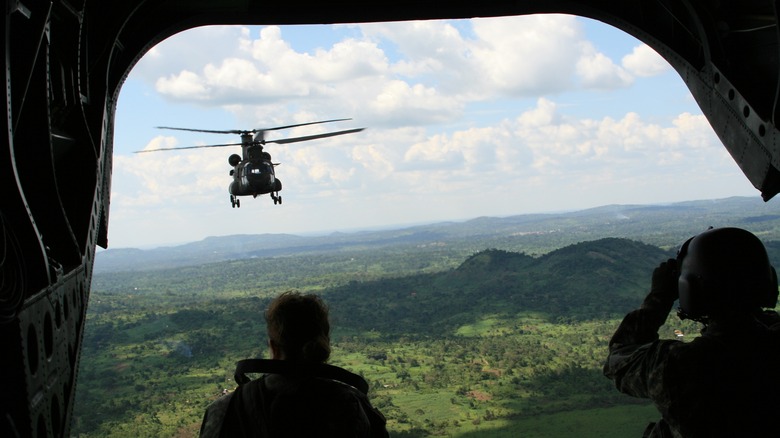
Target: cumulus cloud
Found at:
542, 142
169, 177
185, 85
403, 73
539, 144
542, 149
464, 119
516, 56
346, 60
401, 104
644, 62
597, 71
526, 56
189, 51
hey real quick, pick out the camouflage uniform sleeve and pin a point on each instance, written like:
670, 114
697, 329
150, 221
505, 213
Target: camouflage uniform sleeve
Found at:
637, 359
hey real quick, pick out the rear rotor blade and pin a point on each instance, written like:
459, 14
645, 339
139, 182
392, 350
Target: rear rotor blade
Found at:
299, 124
312, 137
189, 147
231, 131
250, 131
259, 132
259, 137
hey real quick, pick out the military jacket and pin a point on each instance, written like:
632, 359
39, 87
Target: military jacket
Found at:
722, 384
300, 402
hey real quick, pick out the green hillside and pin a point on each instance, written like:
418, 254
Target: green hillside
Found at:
449, 243
590, 280
502, 345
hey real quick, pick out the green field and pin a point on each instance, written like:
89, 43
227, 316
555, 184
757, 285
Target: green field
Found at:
454, 339
501, 345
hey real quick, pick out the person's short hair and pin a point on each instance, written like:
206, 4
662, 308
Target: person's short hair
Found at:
298, 325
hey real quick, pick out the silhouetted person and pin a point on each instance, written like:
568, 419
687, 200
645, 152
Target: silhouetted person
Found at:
300, 395
724, 383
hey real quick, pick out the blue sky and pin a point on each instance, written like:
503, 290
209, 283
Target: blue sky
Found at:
484, 117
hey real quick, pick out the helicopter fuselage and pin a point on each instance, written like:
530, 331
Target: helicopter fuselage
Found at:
253, 178
253, 171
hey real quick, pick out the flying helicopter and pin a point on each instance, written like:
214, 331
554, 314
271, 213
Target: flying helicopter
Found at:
253, 171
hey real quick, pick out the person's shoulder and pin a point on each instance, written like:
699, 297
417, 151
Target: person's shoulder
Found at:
214, 417
331, 386
277, 384
339, 386
771, 319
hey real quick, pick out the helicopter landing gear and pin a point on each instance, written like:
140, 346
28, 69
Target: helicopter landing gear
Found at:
277, 199
235, 202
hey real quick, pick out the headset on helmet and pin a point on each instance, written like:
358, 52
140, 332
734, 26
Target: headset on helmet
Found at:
724, 269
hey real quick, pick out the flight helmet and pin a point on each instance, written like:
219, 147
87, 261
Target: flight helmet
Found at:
724, 270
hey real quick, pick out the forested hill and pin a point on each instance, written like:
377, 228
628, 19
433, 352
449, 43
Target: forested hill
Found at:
489, 342
499, 338
597, 279
661, 225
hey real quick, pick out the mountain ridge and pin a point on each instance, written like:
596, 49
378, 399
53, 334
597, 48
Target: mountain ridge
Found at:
587, 280
662, 225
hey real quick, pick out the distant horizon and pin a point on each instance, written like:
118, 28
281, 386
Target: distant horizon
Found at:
399, 226
464, 118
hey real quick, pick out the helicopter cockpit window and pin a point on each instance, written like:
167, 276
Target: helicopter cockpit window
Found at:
264, 167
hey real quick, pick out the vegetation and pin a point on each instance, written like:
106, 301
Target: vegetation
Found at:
503, 344
454, 339
446, 245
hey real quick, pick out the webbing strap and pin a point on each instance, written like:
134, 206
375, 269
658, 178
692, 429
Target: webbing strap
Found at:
322, 370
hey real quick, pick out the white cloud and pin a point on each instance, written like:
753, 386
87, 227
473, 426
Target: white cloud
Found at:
629, 146
539, 144
153, 179
541, 158
408, 105
344, 61
526, 56
645, 62
427, 46
449, 135
188, 51
440, 70
185, 85
597, 71
374, 159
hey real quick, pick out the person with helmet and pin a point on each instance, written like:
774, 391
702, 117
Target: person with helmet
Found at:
299, 395
725, 382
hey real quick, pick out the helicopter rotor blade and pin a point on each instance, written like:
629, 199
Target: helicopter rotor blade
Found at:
312, 137
259, 132
259, 137
230, 131
189, 147
300, 124
250, 131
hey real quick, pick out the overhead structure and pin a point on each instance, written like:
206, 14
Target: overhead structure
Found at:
66, 60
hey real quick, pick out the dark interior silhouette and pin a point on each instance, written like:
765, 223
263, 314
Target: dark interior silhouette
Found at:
65, 63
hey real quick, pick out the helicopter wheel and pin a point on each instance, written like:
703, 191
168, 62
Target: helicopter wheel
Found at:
238, 203
280, 200
232, 201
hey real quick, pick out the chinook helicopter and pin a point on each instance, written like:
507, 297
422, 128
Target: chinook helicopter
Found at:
253, 172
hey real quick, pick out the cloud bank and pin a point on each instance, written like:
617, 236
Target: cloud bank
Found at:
464, 119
